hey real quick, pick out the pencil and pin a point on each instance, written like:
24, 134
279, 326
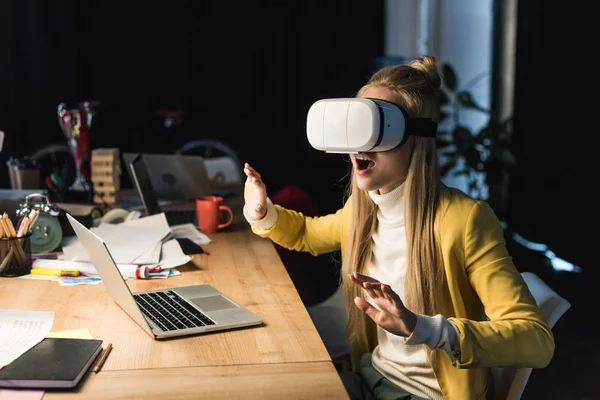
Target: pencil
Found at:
9, 232
7, 259
103, 357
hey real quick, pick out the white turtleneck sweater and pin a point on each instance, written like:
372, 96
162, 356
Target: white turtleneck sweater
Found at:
401, 360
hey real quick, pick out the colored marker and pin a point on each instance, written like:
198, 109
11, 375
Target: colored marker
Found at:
54, 272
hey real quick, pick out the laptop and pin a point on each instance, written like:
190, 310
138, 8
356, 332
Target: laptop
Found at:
180, 177
145, 189
165, 313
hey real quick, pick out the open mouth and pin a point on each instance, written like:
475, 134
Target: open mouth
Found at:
363, 164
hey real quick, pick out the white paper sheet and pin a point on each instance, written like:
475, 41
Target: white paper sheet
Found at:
189, 231
150, 256
172, 255
157, 221
127, 244
20, 331
152, 221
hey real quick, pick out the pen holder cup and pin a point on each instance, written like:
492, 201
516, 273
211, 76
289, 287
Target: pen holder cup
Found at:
15, 255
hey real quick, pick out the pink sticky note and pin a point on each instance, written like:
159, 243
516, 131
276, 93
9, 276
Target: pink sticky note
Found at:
9, 394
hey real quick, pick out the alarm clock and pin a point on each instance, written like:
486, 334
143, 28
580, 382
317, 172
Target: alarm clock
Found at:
46, 232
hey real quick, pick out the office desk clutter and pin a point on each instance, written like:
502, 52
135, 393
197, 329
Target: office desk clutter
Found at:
169, 312
242, 270
24, 173
15, 245
106, 174
75, 121
144, 248
46, 230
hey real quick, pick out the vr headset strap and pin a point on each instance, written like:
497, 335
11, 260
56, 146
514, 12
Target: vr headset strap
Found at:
425, 127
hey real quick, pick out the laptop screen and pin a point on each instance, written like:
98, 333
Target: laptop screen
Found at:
144, 185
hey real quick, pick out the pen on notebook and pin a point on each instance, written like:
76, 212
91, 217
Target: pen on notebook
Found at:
54, 272
103, 357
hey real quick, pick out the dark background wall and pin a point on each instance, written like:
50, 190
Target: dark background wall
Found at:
552, 197
242, 72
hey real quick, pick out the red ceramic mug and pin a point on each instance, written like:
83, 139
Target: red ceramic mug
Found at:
210, 210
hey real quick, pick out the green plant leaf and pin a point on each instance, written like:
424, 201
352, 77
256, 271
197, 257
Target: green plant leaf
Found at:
473, 185
473, 159
487, 132
443, 133
450, 78
491, 131
462, 137
465, 99
442, 143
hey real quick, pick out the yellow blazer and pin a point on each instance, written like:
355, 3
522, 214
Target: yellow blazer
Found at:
497, 318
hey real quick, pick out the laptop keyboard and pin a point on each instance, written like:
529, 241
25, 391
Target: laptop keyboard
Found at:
178, 217
170, 311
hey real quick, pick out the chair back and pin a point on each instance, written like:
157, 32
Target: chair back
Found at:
330, 320
510, 382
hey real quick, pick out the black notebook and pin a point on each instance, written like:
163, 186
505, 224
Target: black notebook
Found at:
52, 363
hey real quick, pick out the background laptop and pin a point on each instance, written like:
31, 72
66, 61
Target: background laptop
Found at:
145, 188
165, 313
175, 176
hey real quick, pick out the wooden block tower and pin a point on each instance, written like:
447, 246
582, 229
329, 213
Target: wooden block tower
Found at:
106, 172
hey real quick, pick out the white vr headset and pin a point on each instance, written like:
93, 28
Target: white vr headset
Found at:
361, 125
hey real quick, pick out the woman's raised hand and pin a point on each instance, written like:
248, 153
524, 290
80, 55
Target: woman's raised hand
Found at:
255, 194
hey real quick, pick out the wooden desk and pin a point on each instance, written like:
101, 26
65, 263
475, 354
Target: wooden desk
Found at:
284, 357
293, 381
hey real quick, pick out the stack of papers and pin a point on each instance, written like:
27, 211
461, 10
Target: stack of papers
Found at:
133, 242
189, 231
144, 241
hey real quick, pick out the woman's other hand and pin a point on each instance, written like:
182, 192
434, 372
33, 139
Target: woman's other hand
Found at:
391, 315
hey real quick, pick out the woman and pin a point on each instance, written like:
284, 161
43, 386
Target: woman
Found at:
433, 297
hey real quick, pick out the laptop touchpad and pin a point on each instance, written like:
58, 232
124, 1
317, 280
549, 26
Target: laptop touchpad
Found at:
213, 303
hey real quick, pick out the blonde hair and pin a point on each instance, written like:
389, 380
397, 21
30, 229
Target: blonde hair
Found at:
416, 88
